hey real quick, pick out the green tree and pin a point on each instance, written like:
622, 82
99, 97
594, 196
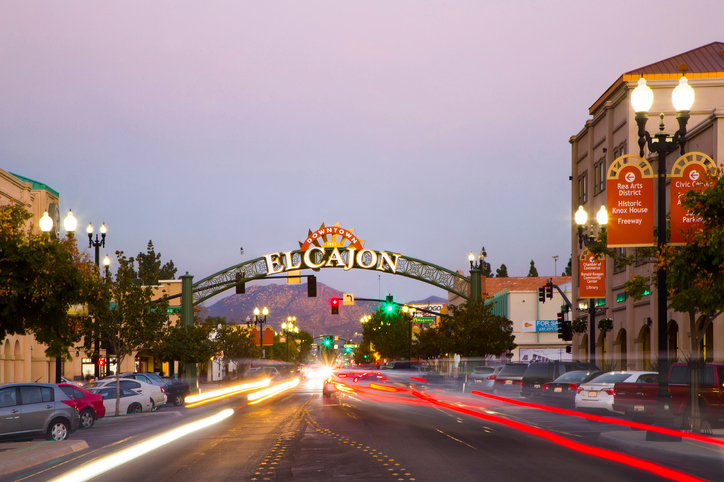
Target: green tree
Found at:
487, 270
126, 316
305, 345
569, 268
186, 344
502, 272
532, 272
389, 333
150, 269
39, 280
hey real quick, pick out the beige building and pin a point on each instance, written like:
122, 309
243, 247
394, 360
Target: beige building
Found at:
611, 132
22, 358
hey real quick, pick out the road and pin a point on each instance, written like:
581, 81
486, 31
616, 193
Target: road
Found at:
303, 436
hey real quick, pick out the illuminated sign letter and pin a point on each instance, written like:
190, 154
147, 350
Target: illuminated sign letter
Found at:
273, 265
308, 257
336, 258
361, 259
288, 261
385, 258
350, 259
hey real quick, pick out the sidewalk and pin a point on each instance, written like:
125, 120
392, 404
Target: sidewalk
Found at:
17, 456
634, 442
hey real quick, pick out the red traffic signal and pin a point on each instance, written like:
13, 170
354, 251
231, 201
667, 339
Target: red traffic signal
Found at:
101, 362
335, 306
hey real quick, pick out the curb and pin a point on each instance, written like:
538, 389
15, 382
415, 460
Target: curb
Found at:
39, 458
670, 450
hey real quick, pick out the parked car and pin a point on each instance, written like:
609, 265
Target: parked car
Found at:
596, 395
88, 405
177, 390
638, 400
154, 392
71, 382
32, 410
562, 391
147, 377
539, 373
483, 377
510, 379
131, 402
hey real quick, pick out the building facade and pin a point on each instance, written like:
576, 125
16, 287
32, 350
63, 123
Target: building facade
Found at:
612, 132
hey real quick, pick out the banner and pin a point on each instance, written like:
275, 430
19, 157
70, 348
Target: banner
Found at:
687, 173
630, 202
591, 275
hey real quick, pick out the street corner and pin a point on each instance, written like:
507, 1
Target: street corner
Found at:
17, 456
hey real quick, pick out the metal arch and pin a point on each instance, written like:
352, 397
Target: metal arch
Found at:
256, 269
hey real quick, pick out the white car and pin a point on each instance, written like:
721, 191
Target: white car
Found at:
153, 392
596, 395
131, 402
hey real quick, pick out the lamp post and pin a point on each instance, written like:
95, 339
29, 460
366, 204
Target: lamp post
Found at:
476, 271
259, 321
588, 240
641, 99
288, 328
97, 244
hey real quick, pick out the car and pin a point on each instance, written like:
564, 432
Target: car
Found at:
510, 379
427, 375
541, 372
263, 372
130, 401
483, 377
177, 390
71, 382
146, 377
562, 391
88, 405
154, 392
596, 395
32, 410
350, 378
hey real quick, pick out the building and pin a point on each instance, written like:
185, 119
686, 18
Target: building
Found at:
535, 323
609, 133
22, 358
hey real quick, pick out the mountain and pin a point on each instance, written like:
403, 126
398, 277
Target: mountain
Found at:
313, 314
431, 300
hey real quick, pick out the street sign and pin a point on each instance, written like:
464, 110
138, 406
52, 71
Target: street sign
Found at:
424, 319
173, 310
347, 298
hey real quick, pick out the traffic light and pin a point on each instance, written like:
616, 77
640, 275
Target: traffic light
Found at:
549, 289
542, 294
567, 331
568, 349
389, 304
240, 287
101, 362
327, 341
561, 326
312, 287
335, 306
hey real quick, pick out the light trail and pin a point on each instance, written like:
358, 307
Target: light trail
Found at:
267, 393
213, 395
104, 464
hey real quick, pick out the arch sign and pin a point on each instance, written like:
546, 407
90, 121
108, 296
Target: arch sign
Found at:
331, 247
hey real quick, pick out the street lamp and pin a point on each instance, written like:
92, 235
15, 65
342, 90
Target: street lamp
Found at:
289, 328
588, 240
259, 321
70, 223
106, 262
641, 99
476, 271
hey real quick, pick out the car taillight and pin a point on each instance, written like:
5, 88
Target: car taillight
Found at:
69, 403
342, 375
517, 382
545, 386
380, 377
499, 382
355, 379
491, 377
579, 389
610, 391
572, 386
163, 390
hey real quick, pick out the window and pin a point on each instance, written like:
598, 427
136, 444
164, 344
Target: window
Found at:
619, 150
583, 188
599, 176
617, 265
7, 397
36, 395
72, 393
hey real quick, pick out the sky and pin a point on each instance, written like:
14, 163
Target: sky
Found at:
430, 128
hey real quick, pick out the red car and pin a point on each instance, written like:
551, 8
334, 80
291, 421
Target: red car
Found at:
89, 405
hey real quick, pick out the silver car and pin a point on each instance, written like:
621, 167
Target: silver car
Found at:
483, 378
32, 410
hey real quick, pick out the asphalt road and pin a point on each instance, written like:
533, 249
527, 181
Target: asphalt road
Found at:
304, 436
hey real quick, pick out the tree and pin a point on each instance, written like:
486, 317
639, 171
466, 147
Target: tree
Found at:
126, 316
532, 272
502, 272
486, 269
305, 345
389, 332
473, 330
186, 344
39, 280
150, 269
569, 268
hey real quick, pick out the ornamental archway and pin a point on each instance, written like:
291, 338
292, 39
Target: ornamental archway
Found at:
330, 247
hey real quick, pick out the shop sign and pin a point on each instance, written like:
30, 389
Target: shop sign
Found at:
630, 202
591, 275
